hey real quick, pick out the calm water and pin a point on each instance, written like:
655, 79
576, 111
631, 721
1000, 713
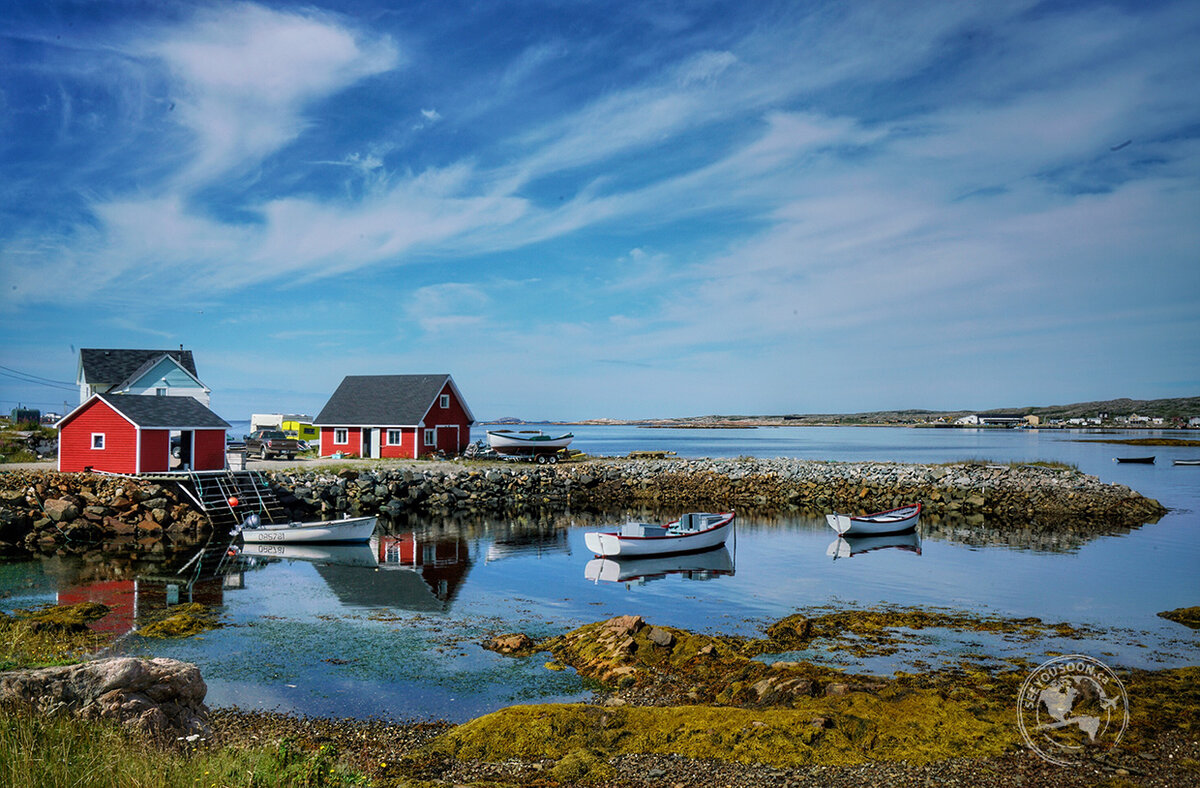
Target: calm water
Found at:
391, 629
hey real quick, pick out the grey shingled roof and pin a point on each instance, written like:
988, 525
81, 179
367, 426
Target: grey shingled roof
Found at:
381, 400
115, 365
165, 412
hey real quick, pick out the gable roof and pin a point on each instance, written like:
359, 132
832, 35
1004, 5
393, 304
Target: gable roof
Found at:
385, 400
157, 412
116, 365
150, 364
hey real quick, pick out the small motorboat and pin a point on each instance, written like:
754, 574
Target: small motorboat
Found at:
349, 529
1141, 460
850, 546
893, 521
691, 533
693, 566
1186, 462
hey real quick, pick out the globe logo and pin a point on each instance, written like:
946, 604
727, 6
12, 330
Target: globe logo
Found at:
1071, 707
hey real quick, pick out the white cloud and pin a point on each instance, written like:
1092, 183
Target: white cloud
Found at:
245, 74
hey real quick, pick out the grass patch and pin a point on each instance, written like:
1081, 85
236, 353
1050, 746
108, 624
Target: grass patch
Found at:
1016, 464
1188, 616
181, 622
40, 752
1143, 441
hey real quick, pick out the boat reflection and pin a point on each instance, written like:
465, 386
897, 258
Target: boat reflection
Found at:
693, 566
362, 554
850, 546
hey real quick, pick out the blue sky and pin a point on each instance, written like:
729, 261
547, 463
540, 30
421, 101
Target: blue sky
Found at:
607, 209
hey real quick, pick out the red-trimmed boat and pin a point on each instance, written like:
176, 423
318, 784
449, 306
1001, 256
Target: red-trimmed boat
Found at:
691, 533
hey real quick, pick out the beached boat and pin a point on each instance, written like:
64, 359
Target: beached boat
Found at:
693, 566
1187, 462
691, 533
1142, 460
850, 546
349, 529
893, 521
513, 441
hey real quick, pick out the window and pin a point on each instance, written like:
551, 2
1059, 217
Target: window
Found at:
393, 437
444, 401
341, 435
97, 440
428, 437
160, 392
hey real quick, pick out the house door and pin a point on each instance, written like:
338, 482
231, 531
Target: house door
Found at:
446, 438
370, 442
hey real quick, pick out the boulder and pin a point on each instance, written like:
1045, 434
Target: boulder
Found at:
161, 698
61, 510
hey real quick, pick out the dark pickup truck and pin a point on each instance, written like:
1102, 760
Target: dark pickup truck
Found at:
266, 444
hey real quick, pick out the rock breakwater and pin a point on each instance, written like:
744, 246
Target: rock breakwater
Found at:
1002, 496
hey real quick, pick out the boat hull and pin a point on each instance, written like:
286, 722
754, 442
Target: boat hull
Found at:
505, 442
1187, 462
1139, 460
850, 546
615, 543
354, 529
893, 521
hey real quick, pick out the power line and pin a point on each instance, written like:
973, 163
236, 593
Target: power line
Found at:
37, 377
36, 380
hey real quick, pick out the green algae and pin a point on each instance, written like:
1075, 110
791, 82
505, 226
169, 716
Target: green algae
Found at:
51, 635
917, 726
181, 622
1188, 616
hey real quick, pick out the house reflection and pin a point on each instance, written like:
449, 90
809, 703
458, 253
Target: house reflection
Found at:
413, 572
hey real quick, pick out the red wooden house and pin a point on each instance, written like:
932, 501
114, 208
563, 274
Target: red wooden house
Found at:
400, 416
129, 433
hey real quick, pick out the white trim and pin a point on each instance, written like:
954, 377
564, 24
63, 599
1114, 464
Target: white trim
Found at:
444, 401
345, 439
93, 445
429, 437
399, 436
447, 427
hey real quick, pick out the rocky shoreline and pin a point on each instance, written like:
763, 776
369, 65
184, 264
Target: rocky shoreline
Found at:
46, 511
972, 494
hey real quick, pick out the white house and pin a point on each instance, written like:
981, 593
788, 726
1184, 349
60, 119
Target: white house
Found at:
163, 373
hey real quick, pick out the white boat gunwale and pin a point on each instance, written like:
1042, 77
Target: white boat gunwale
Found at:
609, 543
898, 520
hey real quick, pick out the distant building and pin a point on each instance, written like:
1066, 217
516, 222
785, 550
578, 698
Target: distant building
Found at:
21, 415
164, 373
401, 416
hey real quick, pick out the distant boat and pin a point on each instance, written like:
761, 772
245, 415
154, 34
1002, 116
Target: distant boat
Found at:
694, 566
1142, 460
691, 533
1187, 462
350, 529
893, 521
850, 546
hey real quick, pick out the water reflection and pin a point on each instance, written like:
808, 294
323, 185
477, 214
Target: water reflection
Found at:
638, 571
410, 571
338, 554
850, 546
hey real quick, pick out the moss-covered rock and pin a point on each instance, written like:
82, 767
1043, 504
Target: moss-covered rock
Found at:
181, 622
1188, 616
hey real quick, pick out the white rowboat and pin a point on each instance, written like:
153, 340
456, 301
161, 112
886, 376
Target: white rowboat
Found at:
893, 521
350, 529
691, 533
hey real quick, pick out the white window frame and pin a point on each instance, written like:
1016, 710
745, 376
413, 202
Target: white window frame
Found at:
444, 401
341, 436
430, 436
395, 437
160, 392
98, 445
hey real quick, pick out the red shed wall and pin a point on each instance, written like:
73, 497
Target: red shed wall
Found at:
353, 445
404, 449
441, 417
209, 446
120, 441
156, 451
